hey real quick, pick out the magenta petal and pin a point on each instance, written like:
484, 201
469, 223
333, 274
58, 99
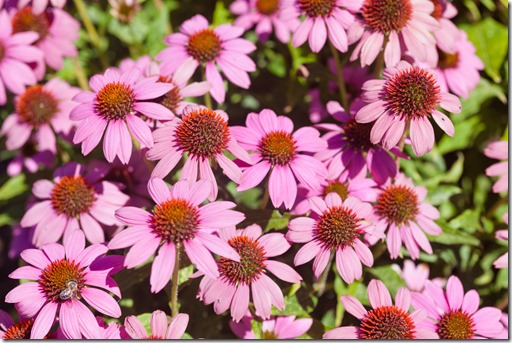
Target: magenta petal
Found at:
353, 306
307, 253
128, 237
346, 332
177, 326
240, 302
261, 299
26, 272
403, 299
217, 246
101, 301
158, 190
283, 271
44, 321
133, 216
140, 130
35, 257
68, 321
378, 294
135, 328
141, 251
454, 293
201, 257
158, 323
470, 302
162, 267
88, 324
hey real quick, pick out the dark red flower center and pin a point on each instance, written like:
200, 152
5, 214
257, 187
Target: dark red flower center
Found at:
456, 325
438, 9
387, 322
175, 220
251, 265
337, 227
447, 61
203, 133
72, 196
278, 147
412, 93
335, 186
24, 20
317, 8
398, 204
62, 280
387, 15
20, 330
204, 45
36, 106
115, 101
172, 98
267, 7
358, 135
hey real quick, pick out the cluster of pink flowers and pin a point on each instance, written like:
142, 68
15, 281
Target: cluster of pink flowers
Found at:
162, 194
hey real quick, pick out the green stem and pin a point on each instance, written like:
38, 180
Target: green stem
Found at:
80, 75
91, 31
175, 276
339, 78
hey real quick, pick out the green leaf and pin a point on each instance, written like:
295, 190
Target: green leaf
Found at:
299, 304
13, 187
221, 15
491, 41
277, 221
145, 320
5, 219
468, 221
257, 328
184, 274
277, 63
451, 236
248, 198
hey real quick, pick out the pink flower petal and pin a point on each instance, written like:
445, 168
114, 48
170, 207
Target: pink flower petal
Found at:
353, 306
101, 301
378, 294
454, 293
240, 302
162, 268
307, 253
177, 326
68, 321
283, 271
158, 323
158, 190
470, 302
141, 251
134, 328
44, 321
274, 244
201, 257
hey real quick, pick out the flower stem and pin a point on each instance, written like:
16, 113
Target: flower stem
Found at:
175, 276
207, 96
80, 75
339, 78
91, 31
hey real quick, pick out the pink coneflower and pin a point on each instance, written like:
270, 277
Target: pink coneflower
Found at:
349, 148
160, 328
279, 151
204, 135
447, 34
407, 97
112, 107
57, 33
210, 48
334, 228
176, 221
111, 330
400, 209
277, 327
9, 329
384, 320
322, 19
237, 279
73, 200
360, 187
414, 276
459, 71
265, 14
393, 21
454, 314
38, 6
16, 56
42, 110
63, 275
498, 150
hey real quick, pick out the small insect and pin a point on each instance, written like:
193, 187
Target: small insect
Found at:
70, 291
